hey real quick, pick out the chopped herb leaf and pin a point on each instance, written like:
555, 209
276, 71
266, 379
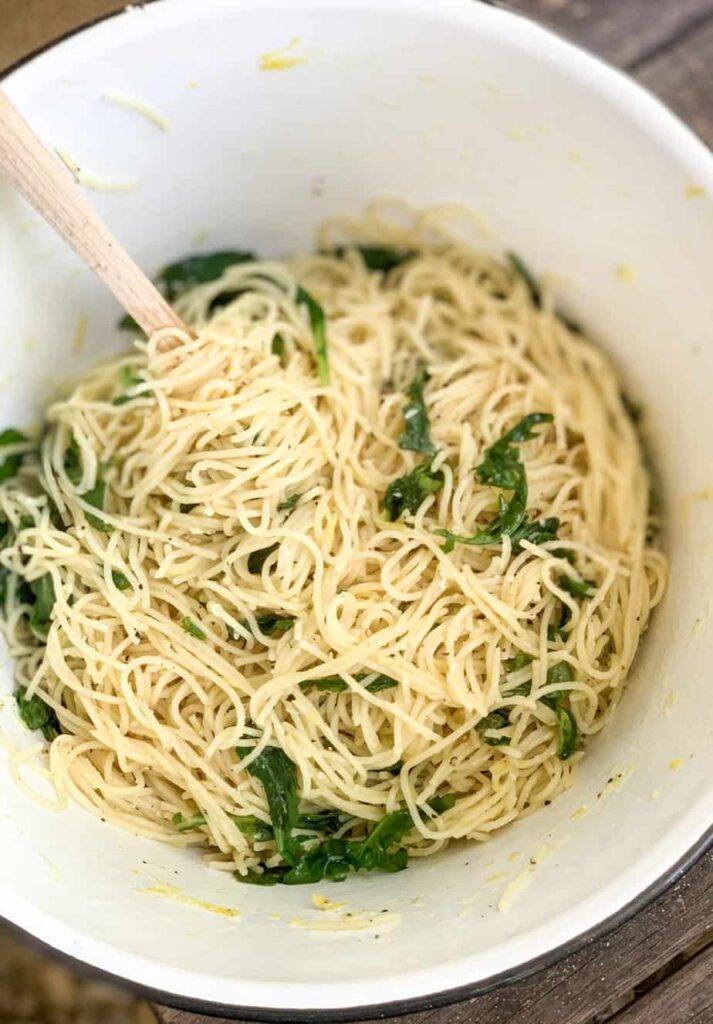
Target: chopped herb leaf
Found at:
27, 522
523, 690
120, 581
442, 803
407, 493
392, 769
318, 324
278, 346
568, 733
35, 714
577, 587
536, 531
251, 826
44, 596
417, 435
496, 720
11, 463
289, 503
192, 628
73, 463
321, 821
270, 623
186, 824
559, 673
558, 631
520, 660
95, 497
256, 559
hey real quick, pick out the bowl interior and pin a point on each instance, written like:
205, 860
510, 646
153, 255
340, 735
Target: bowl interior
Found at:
565, 162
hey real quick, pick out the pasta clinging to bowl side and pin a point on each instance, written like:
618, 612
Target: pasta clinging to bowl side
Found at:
358, 569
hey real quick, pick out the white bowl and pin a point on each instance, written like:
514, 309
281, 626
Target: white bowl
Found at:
570, 164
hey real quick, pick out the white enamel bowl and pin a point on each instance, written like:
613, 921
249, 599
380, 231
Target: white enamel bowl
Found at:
570, 164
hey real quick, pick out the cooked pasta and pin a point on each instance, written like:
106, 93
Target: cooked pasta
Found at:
357, 568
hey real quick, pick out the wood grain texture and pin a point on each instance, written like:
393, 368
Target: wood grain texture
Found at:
684, 998
593, 983
624, 31
683, 77
26, 25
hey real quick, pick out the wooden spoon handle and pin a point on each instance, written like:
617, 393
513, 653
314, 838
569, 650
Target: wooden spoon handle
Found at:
47, 186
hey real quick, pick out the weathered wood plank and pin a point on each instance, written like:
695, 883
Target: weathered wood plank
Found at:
623, 31
683, 77
26, 25
596, 981
684, 998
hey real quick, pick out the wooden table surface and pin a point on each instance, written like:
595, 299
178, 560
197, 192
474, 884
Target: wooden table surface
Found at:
657, 968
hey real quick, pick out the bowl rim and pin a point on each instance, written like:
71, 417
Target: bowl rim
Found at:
673, 135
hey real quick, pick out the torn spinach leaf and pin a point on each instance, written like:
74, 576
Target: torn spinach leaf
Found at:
443, 802
257, 559
269, 876
494, 722
568, 733
271, 623
318, 324
376, 852
335, 684
568, 740
519, 661
522, 270
187, 824
96, 495
278, 775
330, 859
407, 493
129, 380
503, 468
524, 273
120, 581
35, 714
177, 278
558, 630
44, 598
378, 257
580, 588
10, 465
417, 435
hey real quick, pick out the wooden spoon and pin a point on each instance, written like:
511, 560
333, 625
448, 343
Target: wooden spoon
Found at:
47, 186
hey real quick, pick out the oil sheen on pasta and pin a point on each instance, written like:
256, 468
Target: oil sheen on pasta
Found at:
358, 569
